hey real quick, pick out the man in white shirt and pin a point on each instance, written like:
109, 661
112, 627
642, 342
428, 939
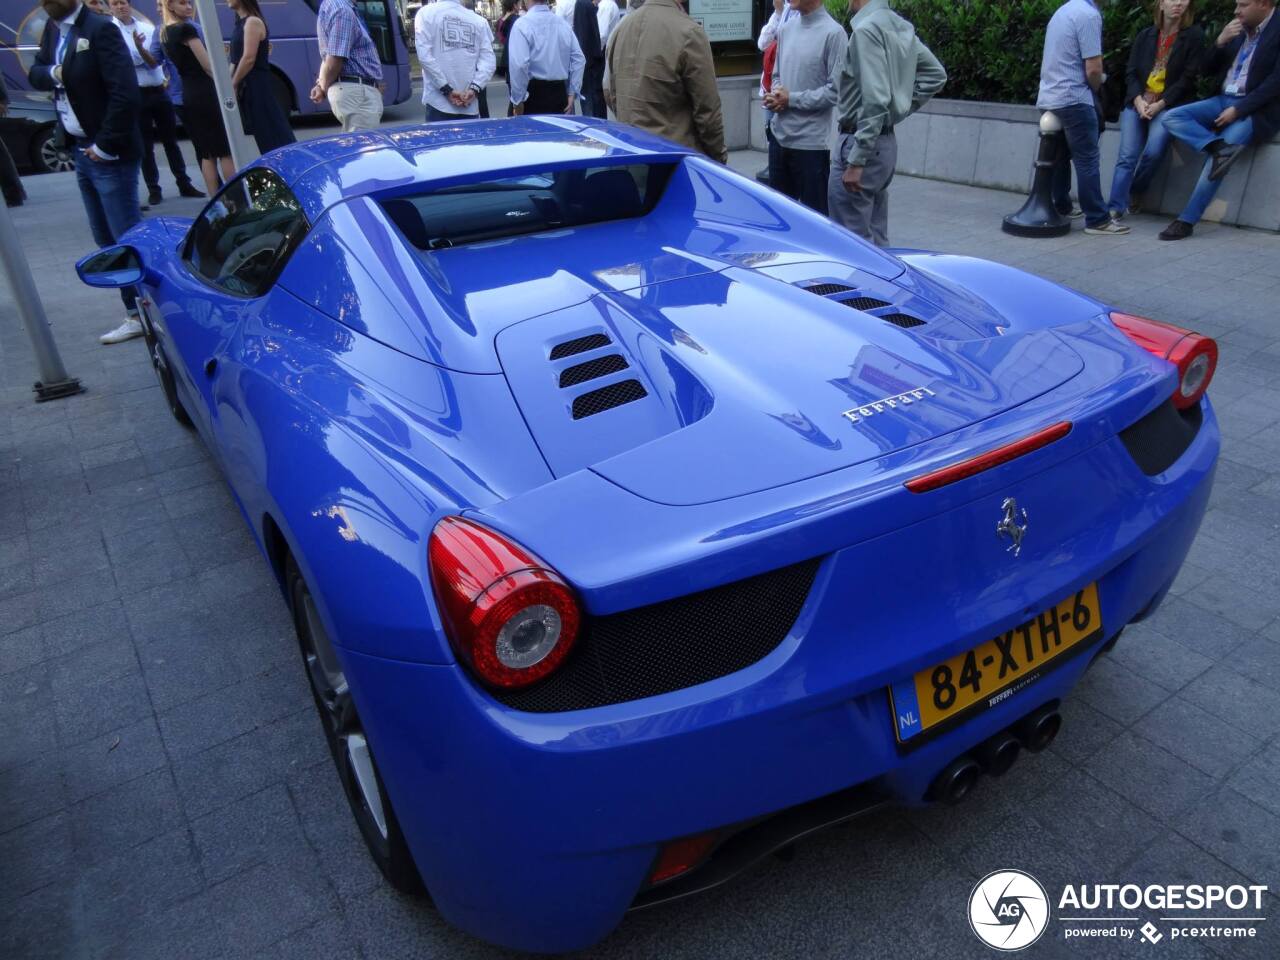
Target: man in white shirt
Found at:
545, 64
607, 15
156, 118
455, 48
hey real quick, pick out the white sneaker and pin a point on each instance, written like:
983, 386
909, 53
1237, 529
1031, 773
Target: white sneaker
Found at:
132, 327
1112, 228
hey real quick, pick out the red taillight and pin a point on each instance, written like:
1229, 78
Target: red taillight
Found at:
509, 616
681, 856
992, 458
1195, 356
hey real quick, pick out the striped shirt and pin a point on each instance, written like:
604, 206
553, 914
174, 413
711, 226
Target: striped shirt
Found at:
342, 33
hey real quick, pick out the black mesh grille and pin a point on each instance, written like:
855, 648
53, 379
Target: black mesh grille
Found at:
674, 644
1157, 440
826, 289
902, 320
591, 341
582, 372
606, 398
864, 303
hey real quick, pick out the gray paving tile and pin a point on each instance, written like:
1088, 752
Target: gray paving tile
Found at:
103, 623
172, 609
1197, 628
1240, 599
21, 649
1237, 831
85, 712
26, 705
30, 791
262, 828
35, 854
1244, 703
114, 758
125, 816
1190, 733
186, 666
224, 714
1157, 658
1084, 731
1259, 779
1118, 692
331, 830
1149, 777
41, 925
1259, 659
119, 893
146, 557
225, 773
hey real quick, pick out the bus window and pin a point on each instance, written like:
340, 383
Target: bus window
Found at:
378, 19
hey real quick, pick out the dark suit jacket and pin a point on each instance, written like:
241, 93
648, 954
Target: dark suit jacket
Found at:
587, 29
1181, 70
100, 82
1261, 98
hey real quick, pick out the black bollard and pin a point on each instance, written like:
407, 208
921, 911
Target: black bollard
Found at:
1038, 216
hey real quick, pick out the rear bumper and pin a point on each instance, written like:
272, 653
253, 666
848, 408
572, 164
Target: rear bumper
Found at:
536, 831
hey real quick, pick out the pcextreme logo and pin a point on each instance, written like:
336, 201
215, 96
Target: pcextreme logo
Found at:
1009, 910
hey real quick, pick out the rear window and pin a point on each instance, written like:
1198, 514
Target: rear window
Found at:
533, 203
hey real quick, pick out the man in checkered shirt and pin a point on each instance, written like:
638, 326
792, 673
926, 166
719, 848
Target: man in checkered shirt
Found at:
350, 72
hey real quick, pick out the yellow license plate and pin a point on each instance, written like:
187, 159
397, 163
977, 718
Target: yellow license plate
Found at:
995, 670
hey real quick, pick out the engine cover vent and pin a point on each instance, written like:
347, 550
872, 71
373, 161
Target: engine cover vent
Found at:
592, 341
591, 370
902, 320
606, 398
864, 303
826, 289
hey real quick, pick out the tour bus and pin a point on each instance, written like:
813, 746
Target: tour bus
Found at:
295, 57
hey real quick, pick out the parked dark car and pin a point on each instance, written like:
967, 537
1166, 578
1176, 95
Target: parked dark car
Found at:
30, 134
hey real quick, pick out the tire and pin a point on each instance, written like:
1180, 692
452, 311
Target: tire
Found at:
348, 744
160, 363
46, 156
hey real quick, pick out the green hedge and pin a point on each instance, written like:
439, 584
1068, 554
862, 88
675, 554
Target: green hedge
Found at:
992, 48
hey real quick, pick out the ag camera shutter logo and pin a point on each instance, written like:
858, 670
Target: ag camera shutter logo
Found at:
1008, 910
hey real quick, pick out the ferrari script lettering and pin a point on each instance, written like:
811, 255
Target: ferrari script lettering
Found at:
858, 414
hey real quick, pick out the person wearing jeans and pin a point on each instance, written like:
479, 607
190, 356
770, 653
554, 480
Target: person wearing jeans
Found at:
1164, 64
83, 61
1070, 74
1246, 56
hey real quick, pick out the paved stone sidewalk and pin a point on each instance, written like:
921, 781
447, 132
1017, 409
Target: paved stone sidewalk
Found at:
165, 789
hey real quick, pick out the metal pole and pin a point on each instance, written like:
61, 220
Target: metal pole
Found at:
53, 382
243, 149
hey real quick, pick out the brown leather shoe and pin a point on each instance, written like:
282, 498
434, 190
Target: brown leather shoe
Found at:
1178, 230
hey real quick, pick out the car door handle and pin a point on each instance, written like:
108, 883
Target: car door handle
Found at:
210, 366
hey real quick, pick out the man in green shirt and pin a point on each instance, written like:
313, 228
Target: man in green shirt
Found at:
888, 74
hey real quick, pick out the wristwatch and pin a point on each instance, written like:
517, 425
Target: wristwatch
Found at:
446, 89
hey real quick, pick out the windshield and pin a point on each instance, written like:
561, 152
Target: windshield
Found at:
533, 203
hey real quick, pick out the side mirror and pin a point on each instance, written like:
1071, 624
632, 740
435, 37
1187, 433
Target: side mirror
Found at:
118, 266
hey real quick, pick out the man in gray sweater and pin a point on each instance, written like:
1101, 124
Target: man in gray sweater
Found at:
805, 76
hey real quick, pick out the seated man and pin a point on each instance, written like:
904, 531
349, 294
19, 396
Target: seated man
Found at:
1247, 58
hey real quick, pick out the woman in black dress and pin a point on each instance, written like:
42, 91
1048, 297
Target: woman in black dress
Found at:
201, 115
259, 110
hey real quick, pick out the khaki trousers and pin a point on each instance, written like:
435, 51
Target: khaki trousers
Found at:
356, 105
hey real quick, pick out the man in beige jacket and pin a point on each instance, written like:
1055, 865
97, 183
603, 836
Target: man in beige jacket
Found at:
662, 79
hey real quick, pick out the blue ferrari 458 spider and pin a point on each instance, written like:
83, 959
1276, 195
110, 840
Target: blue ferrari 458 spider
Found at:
636, 520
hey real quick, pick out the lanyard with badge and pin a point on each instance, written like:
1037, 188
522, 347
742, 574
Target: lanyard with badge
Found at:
1242, 60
